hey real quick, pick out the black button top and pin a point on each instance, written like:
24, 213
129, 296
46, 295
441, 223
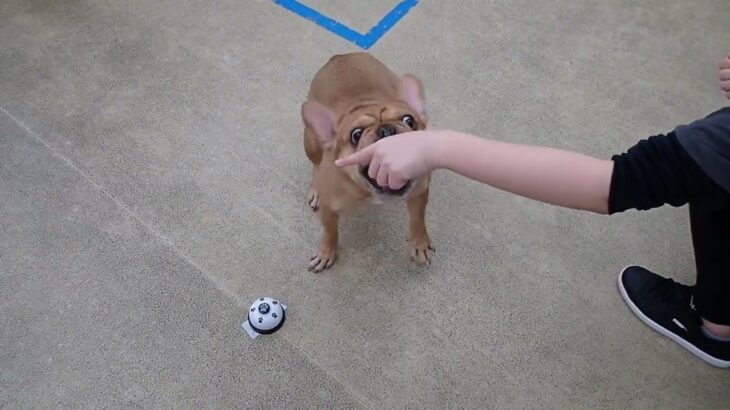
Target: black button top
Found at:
264, 308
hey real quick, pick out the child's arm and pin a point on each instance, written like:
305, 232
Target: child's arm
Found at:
550, 175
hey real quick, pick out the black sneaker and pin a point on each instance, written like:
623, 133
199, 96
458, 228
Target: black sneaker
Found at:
666, 306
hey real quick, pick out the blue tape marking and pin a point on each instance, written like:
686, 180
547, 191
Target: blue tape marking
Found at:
364, 41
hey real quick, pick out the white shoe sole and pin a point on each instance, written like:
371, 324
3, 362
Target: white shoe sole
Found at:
652, 324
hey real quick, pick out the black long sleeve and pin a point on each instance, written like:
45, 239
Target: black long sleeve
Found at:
654, 172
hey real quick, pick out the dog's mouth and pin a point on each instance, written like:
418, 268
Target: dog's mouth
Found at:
384, 190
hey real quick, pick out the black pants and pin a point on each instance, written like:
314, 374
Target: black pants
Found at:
710, 220
658, 171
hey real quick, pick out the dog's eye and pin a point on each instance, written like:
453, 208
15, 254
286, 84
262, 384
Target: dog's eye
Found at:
355, 135
409, 121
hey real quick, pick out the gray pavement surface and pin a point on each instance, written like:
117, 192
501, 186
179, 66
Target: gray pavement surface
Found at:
153, 181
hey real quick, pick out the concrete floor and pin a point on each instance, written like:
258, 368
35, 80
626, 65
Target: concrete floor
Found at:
152, 183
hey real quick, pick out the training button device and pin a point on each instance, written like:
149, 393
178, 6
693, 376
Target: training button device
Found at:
265, 316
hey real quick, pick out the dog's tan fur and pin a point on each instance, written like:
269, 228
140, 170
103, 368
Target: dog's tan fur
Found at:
358, 91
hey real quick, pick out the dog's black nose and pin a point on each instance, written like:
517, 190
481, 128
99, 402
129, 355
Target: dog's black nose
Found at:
387, 131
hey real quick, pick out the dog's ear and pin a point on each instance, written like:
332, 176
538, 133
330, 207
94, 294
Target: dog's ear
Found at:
411, 92
320, 120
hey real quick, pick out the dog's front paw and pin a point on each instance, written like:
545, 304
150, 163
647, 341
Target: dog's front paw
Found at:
324, 259
421, 251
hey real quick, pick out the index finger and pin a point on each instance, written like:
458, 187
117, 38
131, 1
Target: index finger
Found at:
361, 157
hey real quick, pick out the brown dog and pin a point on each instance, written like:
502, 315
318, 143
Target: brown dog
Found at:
355, 100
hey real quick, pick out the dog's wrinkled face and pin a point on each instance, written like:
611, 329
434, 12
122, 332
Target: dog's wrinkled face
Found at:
365, 124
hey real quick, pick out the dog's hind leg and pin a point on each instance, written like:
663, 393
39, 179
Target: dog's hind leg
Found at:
314, 153
313, 194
